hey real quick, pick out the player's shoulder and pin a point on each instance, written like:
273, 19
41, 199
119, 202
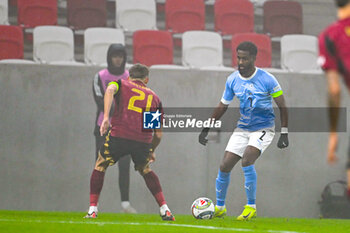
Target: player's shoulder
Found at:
133, 84
155, 95
335, 28
266, 78
264, 73
233, 76
151, 91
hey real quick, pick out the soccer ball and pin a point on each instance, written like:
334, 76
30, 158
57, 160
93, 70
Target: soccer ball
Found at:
203, 208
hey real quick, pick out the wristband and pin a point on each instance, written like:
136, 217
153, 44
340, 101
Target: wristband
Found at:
151, 150
284, 130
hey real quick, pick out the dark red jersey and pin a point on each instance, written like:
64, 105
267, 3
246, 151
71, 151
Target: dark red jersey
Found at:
131, 100
334, 48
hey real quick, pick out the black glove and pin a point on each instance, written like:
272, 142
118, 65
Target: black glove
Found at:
283, 141
203, 136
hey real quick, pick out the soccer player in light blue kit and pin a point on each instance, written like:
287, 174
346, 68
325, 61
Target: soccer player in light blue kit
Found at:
255, 89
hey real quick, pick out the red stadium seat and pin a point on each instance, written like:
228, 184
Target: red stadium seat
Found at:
263, 42
282, 17
82, 14
233, 16
151, 47
11, 42
32, 13
184, 15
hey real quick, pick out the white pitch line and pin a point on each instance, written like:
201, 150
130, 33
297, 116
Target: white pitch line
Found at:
147, 224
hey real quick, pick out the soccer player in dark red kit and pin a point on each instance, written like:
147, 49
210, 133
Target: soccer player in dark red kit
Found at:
334, 48
126, 136
116, 60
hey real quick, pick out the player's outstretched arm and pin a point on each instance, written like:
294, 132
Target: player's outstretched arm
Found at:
217, 114
333, 103
108, 99
283, 141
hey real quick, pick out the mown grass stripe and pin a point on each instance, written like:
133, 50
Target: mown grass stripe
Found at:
170, 224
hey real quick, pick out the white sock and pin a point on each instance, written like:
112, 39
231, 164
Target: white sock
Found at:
254, 206
93, 209
163, 208
221, 207
125, 204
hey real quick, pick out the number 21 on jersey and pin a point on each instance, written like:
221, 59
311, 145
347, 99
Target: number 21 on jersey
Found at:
139, 96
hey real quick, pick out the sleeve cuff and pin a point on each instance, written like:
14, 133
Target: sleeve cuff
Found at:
226, 102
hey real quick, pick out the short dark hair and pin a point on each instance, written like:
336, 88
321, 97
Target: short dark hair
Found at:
139, 71
249, 47
341, 3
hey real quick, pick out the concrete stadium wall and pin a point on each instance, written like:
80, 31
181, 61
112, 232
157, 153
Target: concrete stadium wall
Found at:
47, 146
317, 15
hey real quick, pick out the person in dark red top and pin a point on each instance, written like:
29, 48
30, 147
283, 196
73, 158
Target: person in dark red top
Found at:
127, 136
334, 49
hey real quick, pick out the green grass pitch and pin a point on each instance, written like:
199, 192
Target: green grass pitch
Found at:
66, 222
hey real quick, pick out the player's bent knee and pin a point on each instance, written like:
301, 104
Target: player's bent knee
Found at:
246, 162
225, 168
100, 169
144, 170
101, 163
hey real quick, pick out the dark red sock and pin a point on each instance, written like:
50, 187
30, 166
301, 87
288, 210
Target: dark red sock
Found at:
153, 185
349, 194
96, 183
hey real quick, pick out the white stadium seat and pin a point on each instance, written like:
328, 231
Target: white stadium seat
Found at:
132, 15
97, 41
17, 61
202, 49
299, 53
53, 44
4, 12
67, 63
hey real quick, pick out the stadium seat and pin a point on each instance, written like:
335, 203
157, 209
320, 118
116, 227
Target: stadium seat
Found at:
11, 42
132, 15
4, 12
201, 49
97, 41
258, 3
17, 61
184, 15
82, 14
263, 42
53, 44
13, 2
299, 53
282, 17
151, 47
32, 13
62, 4
233, 16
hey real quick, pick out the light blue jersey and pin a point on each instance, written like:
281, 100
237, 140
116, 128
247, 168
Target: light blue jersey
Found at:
255, 96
